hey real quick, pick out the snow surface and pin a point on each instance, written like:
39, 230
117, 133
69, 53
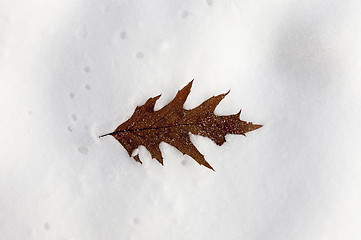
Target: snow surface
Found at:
73, 70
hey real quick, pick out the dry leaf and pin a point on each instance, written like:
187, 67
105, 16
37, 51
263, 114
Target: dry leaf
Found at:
172, 124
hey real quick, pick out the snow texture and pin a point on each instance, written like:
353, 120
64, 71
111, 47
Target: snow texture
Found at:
73, 70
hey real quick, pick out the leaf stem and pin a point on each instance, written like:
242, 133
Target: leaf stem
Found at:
106, 134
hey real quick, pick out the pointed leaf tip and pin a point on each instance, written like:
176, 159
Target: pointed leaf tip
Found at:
223, 95
256, 126
206, 164
210, 167
189, 85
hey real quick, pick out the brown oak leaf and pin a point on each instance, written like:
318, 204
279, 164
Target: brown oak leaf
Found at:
172, 124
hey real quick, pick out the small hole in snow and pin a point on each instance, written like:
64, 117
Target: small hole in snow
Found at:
185, 14
46, 226
210, 2
87, 69
136, 221
139, 55
83, 150
123, 35
87, 87
74, 117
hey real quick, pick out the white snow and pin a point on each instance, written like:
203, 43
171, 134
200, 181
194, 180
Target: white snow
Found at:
73, 70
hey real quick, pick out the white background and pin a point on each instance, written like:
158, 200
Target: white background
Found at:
73, 70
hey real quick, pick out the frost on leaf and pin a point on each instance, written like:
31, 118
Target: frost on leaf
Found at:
172, 124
